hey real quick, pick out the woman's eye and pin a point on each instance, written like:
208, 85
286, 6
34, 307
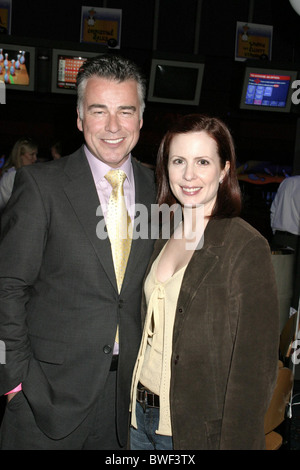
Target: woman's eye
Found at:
177, 161
202, 161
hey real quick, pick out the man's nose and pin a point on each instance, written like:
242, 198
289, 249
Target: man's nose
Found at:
112, 124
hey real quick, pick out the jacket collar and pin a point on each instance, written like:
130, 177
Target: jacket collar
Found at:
82, 194
201, 264
214, 236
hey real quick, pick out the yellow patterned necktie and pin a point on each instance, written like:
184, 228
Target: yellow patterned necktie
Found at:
119, 227
118, 224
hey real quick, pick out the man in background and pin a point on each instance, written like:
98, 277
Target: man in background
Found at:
285, 223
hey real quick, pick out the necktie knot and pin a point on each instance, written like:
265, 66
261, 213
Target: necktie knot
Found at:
116, 178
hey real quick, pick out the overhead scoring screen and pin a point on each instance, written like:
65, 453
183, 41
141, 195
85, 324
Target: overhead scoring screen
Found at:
267, 90
171, 82
65, 66
17, 66
175, 81
67, 70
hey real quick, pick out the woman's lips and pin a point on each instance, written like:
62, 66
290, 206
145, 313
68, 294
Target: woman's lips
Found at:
190, 191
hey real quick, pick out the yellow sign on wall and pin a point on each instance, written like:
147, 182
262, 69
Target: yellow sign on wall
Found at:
253, 41
5, 16
254, 47
101, 26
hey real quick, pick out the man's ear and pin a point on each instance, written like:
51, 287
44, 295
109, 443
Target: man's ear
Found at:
79, 121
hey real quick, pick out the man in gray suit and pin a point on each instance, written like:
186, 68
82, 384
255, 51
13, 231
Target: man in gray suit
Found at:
66, 378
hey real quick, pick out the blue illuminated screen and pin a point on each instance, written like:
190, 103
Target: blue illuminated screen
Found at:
267, 90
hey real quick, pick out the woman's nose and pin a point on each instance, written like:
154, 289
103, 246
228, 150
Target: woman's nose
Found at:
189, 172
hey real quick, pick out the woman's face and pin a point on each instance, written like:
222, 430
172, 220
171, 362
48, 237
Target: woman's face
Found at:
194, 170
29, 157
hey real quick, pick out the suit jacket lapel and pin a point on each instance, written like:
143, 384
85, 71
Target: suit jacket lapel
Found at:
83, 197
202, 263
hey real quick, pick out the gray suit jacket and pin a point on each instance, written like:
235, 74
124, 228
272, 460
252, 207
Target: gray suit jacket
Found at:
59, 304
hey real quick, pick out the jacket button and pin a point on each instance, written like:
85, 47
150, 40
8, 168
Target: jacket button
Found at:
107, 349
180, 310
176, 360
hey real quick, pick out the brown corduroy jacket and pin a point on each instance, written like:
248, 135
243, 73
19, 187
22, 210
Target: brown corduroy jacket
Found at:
225, 341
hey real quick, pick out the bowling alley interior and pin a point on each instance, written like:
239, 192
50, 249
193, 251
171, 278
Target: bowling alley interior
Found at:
238, 60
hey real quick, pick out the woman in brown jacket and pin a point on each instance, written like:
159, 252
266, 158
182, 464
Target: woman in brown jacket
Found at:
207, 363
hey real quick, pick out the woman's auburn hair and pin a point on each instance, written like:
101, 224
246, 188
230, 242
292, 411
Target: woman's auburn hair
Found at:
228, 202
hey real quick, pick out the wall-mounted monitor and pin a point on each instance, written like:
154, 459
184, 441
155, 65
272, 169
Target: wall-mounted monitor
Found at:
175, 81
65, 66
17, 66
266, 89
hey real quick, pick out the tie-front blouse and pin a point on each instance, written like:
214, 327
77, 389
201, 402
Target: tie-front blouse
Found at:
153, 366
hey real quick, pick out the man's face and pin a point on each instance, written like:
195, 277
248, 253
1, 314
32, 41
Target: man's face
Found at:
110, 119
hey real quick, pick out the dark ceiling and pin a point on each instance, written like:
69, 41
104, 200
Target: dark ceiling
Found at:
257, 137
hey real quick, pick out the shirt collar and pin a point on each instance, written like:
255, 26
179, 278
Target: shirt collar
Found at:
99, 168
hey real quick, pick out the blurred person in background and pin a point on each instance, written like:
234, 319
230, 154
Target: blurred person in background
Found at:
285, 223
24, 152
56, 150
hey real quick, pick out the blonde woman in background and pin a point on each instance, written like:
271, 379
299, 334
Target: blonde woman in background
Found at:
24, 152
